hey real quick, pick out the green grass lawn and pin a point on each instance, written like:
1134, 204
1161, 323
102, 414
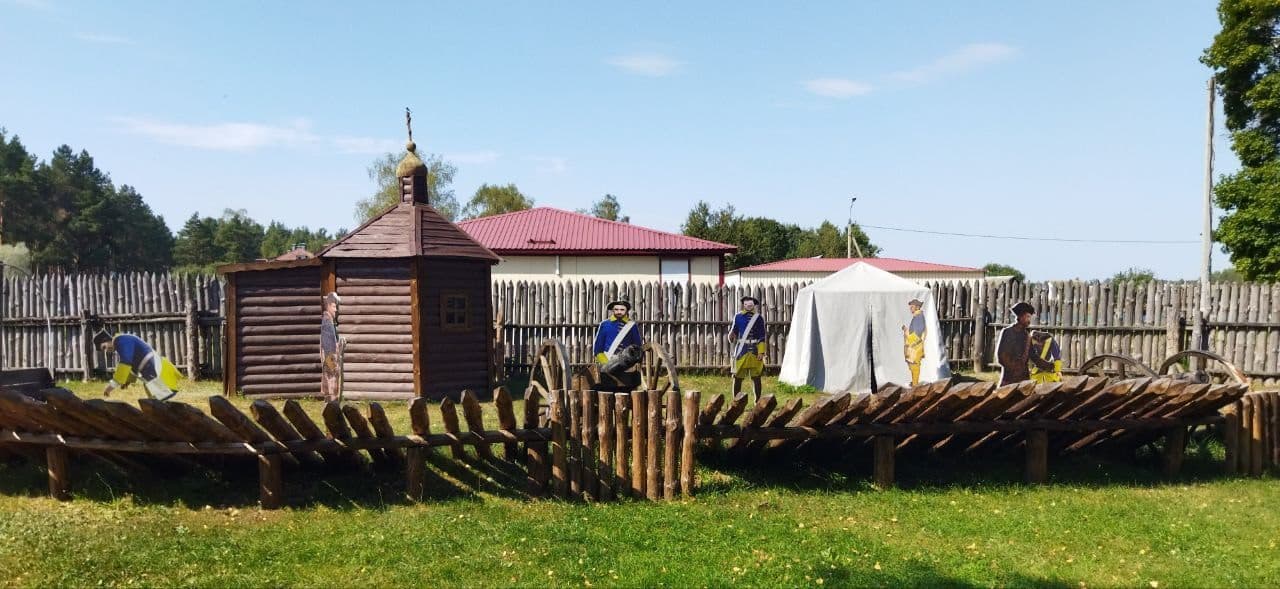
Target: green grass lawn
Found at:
1102, 522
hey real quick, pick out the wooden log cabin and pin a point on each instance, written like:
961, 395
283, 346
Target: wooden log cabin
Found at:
414, 311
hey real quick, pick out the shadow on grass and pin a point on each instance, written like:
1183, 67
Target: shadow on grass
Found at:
848, 467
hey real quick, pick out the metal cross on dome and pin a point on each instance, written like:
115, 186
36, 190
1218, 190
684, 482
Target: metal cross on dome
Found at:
408, 122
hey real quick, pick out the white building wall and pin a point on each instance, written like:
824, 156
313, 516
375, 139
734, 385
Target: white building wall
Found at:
756, 277
702, 269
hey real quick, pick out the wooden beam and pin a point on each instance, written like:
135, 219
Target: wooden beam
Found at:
1037, 470
885, 445
230, 363
416, 284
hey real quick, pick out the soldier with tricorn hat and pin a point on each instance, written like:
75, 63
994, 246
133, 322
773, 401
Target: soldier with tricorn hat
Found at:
136, 360
748, 333
1014, 345
616, 334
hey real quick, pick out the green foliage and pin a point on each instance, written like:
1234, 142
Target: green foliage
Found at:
1245, 57
997, 269
279, 239
491, 199
761, 240
1137, 275
1228, 274
383, 173
207, 242
69, 214
609, 208
15, 256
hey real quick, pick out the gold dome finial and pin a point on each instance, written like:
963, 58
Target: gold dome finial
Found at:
411, 164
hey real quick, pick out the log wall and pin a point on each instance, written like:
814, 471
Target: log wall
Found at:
376, 319
455, 359
277, 332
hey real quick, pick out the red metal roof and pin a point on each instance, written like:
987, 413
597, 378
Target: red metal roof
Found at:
545, 230
837, 264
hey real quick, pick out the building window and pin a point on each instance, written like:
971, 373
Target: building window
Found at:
454, 309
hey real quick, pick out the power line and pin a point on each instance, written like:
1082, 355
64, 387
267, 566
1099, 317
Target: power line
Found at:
1027, 238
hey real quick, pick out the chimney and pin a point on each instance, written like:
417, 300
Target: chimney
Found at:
413, 177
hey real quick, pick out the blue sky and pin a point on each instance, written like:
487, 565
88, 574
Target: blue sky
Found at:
1083, 120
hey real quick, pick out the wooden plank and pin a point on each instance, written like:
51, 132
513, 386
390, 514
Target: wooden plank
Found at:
506, 421
639, 443
708, 414
754, 419
689, 442
240, 423
588, 435
621, 425
734, 410
671, 446
883, 461
559, 439
535, 452
449, 417
574, 445
605, 434
474, 414
271, 481
56, 465
1175, 444
382, 429
266, 415
312, 432
1230, 439
653, 470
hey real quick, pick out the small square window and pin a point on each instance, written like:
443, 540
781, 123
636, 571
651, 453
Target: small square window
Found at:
454, 309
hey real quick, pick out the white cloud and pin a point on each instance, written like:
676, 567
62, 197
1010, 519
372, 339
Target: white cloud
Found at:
473, 157
550, 164
222, 136
966, 58
104, 39
837, 87
646, 64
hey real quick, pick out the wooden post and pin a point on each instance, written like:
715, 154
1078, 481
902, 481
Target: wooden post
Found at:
575, 444
193, 342
1231, 439
671, 446
1037, 456
689, 442
1175, 445
270, 481
230, 364
559, 454
653, 476
86, 346
1243, 444
639, 443
1255, 437
59, 474
416, 469
621, 484
535, 452
1172, 331
980, 326
605, 433
883, 461
449, 416
590, 462
506, 421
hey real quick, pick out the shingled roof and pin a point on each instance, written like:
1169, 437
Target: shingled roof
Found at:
406, 230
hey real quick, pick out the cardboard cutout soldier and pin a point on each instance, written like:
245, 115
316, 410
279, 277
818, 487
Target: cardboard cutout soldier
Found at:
748, 333
1014, 346
330, 349
913, 340
136, 360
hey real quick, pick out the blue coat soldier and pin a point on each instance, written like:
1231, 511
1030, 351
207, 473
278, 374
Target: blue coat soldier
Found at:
615, 333
137, 361
748, 332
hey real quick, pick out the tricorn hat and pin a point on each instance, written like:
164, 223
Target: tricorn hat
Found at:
1023, 307
101, 337
916, 302
616, 303
333, 296
749, 298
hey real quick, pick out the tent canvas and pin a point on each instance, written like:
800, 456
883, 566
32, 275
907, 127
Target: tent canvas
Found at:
827, 347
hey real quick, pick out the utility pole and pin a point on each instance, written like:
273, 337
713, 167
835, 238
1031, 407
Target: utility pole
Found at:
848, 232
1200, 330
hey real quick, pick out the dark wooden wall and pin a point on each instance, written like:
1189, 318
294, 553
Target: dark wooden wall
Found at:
453, 359
277, 332
376, 318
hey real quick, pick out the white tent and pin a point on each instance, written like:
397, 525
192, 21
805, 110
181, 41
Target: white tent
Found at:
837, 318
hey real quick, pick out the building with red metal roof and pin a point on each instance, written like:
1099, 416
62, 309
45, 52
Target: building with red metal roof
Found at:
802, 269
547, 243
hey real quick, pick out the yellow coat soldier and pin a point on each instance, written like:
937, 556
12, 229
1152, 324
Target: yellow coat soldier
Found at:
913, 340
1045, 358
748, 333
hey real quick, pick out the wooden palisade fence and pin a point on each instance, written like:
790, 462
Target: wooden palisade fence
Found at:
42, 319
602, 446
